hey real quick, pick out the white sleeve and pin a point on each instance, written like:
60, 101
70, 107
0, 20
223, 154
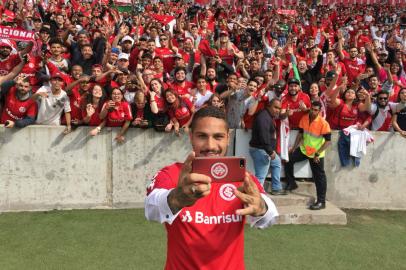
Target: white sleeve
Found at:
66, 106
269, 218
157, 208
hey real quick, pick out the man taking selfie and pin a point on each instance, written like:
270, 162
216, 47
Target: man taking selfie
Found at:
205, 219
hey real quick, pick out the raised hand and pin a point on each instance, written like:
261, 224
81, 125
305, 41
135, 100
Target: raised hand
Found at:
249, 194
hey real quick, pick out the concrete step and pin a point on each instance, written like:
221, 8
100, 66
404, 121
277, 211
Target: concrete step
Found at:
291, 199
300, 214
304, 188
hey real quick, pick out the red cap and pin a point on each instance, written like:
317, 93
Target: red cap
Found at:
224, 33
58, 75
5, 44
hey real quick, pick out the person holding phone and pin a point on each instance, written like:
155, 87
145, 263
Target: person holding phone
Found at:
205, 218
117, 113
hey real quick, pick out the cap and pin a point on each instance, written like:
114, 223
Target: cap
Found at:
57, 75
280, 84
5, 44
179, 56
293, 81
224, 33
331, 74
127, 38
382, 51
123, 56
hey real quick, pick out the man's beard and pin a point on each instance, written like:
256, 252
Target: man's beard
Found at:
292, 95
180, 81
4, 54
210, 79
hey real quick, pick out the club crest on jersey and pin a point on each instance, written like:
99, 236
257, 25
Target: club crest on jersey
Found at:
227, 192
219, 170
22, 109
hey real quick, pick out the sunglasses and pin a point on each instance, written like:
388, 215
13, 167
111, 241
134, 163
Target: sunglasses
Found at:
382, 98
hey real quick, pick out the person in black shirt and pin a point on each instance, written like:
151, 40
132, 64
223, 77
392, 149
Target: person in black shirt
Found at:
263, 146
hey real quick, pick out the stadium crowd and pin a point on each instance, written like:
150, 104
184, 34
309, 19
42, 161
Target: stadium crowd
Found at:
157, 63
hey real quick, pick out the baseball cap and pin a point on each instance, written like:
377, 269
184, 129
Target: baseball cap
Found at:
5, 44
123, 56
224, 33
382, 51
293, 81
331, 74
127, 38
57, 75
179, 56
280, 84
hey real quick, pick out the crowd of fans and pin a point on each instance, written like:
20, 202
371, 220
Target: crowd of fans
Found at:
155, 65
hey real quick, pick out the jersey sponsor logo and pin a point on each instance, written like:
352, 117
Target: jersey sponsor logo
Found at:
227, 192
201, 218
219, 170
184, 110
187, 217
22, 109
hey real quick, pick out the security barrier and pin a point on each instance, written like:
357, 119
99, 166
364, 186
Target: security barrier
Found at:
41, 169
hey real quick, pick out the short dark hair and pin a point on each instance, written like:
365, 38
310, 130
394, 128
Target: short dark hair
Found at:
271, 103
55, 41
209, 111
316, 103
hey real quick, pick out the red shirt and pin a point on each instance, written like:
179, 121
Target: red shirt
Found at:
207, 235
6, 65
353, 68
30, 70
343, 117
183, 113
182, 90
287, 101
95, 118
227, 55
118, 116
15, 109
160, 103
167, 56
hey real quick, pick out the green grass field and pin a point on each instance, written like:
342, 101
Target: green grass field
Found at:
123, 239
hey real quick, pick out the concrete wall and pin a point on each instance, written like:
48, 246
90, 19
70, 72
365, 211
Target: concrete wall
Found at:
379, 182
42, 169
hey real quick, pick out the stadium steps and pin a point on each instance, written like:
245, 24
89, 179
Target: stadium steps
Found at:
293, 208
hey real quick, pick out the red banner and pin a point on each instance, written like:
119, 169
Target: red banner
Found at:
287, 12
16, 34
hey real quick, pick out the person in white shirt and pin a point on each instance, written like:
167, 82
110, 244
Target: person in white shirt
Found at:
202, 94
53, 101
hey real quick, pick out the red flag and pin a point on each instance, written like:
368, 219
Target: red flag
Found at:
204, 48
202, 2
164, 19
